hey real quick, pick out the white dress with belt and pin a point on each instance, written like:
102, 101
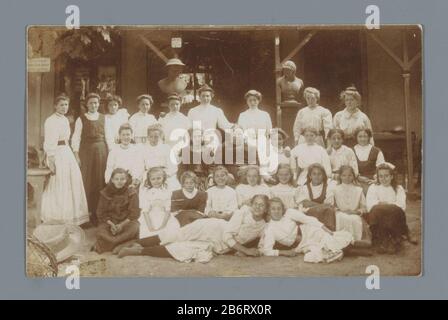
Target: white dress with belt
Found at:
64, 199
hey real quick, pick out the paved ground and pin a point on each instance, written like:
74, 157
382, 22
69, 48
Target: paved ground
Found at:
408, 262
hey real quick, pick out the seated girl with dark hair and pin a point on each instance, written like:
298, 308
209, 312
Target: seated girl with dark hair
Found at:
386, 205
118, 213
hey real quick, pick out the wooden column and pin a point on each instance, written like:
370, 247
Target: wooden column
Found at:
277, 71
406, 65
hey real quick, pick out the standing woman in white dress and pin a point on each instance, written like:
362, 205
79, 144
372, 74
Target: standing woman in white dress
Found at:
313, 115
254, 118
64, 199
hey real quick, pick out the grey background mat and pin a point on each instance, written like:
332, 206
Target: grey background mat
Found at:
16, 15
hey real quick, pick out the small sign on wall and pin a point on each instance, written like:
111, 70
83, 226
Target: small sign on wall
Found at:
38, 64
176, 42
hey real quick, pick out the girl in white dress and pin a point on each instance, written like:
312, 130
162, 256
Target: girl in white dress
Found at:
285, 189
141, 120
314, 116
386, 203
116, 117
175, 120
340, 155
64, 199
126, 156
251, 185
306, 154
290, 232
222, 200
350, 204
157, 154
155, 203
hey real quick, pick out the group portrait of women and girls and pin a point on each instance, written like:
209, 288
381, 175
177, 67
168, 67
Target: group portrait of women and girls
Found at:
332, 194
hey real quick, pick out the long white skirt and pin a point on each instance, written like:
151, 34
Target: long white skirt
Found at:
350, 223
64, 199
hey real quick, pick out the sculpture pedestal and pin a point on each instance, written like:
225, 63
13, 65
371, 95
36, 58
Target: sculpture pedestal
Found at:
36, 178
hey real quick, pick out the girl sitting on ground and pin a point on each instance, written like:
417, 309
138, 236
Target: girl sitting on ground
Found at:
285, 189
251, 185
155, 202
386, 203
350, 205
117, 213
316, 198
222, 200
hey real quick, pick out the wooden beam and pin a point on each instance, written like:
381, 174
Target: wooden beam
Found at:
414, 60
156, 50
299, 46
388, 51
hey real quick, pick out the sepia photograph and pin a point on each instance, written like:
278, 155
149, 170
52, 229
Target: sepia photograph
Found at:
224, 150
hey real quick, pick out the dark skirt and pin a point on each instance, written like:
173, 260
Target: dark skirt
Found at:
388, 224
93, 158
325, 214
188, 216
106, 242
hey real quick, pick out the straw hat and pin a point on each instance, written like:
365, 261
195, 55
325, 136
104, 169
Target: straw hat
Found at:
63, 240
174, 62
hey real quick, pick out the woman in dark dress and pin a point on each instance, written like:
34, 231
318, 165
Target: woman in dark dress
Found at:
90, 149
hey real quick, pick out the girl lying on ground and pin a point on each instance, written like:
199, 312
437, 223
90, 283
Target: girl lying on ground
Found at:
290, 232
117, 213
246, 225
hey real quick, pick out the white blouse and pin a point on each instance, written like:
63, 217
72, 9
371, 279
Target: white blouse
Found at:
140, 122
56, 128
173, 121
210, 117
154, 198
363, 152
284, 231
245, 192
286, 193
350, 122
304, 155
158, 156
242, 228
319, 118
112, 125
255, 119
129, 158
221, 200
349, 197
343, 156
380, 193
76, 138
